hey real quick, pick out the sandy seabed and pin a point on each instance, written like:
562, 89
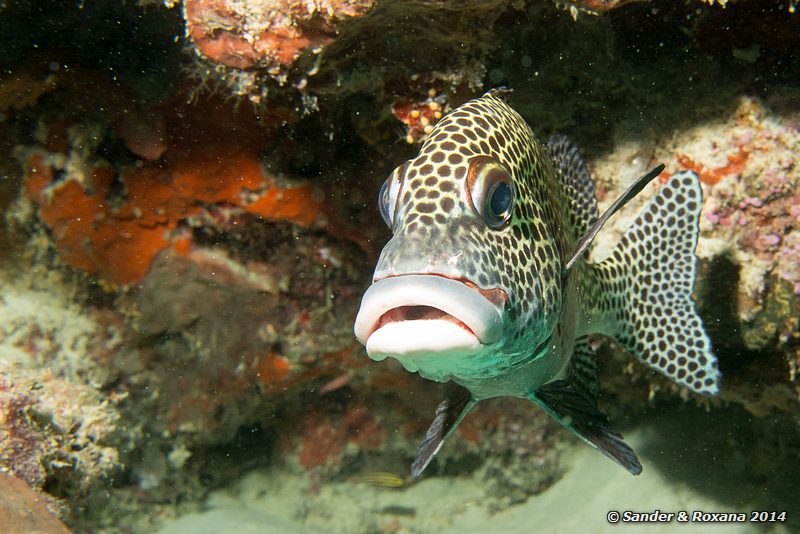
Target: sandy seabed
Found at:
688, 467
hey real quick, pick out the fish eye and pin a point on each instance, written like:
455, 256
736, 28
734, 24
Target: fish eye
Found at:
387, 197
499, 199
491, 191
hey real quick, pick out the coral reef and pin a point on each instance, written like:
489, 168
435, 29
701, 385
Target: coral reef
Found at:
525, 456
420, 117
265, 51
268, 35
113, 222
52, 445
188, 236
748, 247
58, 428
233, 329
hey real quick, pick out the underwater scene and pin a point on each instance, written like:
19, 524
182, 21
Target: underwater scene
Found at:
399, 266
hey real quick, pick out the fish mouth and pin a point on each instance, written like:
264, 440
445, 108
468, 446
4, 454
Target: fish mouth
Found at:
425, 314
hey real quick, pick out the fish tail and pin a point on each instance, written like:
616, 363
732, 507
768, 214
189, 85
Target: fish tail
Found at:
645, 288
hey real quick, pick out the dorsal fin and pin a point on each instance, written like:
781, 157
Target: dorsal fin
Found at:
578, 185
503, 93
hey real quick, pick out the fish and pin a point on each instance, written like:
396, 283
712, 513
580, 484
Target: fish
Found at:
380, 479
485, 283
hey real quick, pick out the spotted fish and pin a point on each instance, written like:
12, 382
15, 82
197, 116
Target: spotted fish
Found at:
485, 283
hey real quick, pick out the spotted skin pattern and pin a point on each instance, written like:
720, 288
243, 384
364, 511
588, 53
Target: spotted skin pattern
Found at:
644, 289
641, 295
583, 367
442, 224
575, 179
433, 220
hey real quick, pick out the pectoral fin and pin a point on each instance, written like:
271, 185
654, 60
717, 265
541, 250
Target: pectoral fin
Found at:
449, 414
579, 413
634, 189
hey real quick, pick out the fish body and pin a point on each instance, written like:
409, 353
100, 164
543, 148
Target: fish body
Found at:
379, 479
481, 284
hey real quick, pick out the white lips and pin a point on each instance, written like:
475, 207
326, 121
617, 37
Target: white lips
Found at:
426, 336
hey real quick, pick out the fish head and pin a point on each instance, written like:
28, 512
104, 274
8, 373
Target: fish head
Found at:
468, 285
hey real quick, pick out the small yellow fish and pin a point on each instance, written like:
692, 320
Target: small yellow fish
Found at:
379, 479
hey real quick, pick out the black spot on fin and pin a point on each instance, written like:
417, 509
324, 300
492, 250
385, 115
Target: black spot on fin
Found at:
583, 368
651, 275
579, 413
501, 93
578, 185
449, 414
634, 189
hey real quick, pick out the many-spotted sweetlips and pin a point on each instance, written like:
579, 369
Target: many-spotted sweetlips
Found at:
485, 284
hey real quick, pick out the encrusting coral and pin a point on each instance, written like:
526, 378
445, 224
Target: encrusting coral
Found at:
266, 34
112, 222
266, 51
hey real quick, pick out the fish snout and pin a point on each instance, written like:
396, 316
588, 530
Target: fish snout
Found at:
428, 314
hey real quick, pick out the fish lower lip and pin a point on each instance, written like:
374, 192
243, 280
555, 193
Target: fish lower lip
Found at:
429, 297
419, 313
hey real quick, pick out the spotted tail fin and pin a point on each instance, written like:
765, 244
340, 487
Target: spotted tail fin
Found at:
647, 283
